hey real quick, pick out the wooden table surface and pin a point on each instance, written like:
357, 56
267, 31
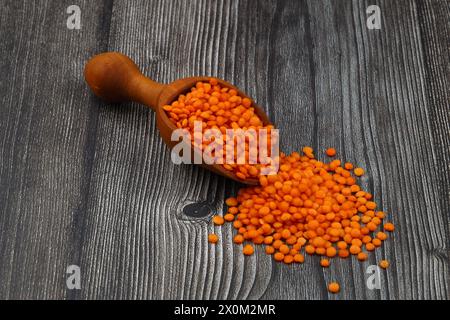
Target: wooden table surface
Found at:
90, 184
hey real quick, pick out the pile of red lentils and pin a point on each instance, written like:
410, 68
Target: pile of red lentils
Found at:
309, 206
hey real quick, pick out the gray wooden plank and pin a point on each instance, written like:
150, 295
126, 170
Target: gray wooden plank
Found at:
43, 131
370, 102
138, 244
435, 35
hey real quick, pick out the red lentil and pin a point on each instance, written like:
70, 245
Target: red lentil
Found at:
334, 287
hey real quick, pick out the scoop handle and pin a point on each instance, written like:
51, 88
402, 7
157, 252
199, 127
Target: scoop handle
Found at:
114, 77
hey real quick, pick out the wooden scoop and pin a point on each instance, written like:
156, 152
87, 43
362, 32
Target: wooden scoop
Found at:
115, 78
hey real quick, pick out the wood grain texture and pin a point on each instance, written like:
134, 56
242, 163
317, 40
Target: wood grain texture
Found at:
91, 184
435, 31
44, 129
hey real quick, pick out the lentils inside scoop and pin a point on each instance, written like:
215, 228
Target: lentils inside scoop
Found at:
220, 108
308, 205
